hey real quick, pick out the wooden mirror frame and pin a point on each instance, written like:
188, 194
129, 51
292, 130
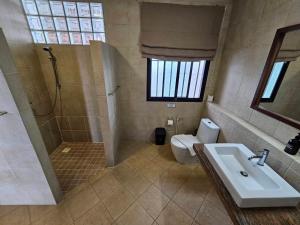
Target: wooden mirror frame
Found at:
277, 42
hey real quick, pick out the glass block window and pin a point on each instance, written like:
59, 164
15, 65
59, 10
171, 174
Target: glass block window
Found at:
176, 81
64, 22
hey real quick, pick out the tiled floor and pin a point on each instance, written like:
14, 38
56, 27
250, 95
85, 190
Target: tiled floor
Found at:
76, 166
148, 188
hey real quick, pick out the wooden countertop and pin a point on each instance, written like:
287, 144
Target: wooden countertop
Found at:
247, 216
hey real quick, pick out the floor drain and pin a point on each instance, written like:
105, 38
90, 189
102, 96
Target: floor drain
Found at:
244, 173
66, 150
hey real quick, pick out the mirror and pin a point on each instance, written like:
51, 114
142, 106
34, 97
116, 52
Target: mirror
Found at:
278, 92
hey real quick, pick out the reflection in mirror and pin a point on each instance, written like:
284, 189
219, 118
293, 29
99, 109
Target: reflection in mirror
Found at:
281, 94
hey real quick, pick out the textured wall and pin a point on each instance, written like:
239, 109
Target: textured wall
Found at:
251, 32
15, 28
105, 64
75, 72
26, 173
139, 117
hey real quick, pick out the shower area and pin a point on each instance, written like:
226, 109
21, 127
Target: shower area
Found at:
70, 122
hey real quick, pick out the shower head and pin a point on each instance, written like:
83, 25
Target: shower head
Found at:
53, 61
49, 49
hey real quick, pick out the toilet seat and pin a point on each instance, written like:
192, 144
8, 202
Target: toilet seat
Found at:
181, 152
208, 132
175, 142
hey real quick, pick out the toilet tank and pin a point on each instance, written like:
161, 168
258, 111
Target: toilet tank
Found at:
208, 131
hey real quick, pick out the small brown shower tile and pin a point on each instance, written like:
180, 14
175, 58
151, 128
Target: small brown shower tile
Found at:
75, 167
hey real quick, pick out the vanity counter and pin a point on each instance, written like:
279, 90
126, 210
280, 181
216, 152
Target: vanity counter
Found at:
247, 216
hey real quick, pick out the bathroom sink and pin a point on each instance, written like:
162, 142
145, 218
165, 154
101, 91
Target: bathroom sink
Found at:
249, 184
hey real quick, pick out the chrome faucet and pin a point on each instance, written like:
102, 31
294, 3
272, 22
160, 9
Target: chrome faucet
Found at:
262, 158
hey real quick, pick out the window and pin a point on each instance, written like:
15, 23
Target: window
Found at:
181, 81
274, 81
64, 22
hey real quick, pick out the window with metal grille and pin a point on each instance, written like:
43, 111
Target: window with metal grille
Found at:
64, 22
176, 81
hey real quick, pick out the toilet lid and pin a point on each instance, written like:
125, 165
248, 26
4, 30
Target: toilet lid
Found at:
178, 144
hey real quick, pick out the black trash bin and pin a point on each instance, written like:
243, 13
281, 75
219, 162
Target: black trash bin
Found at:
160, 136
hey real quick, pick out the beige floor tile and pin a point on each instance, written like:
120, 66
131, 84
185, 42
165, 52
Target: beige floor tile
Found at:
81, 202
122, 172
190, 197
107, 186
183, 171
58, 216
153, 201
18, 216
150, 176
75, 191
198, 170
119, 177
37, 212
151, 171
136, 184
131, 179
201, 180
118, 202
149, 152
98, 215
166, 152
170, 181
211, 215
173, 215
99, 175
164, 161
129, 148
213, 197
135, 215
137, 163
5, 209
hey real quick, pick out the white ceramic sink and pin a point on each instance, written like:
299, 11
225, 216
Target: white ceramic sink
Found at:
263, 187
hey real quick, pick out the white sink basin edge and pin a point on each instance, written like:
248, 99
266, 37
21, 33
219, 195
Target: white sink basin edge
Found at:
263, 187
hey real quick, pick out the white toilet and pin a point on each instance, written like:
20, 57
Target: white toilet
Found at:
207, 133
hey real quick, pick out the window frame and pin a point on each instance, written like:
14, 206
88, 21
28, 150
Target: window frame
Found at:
175, 98
277, 83
67, 31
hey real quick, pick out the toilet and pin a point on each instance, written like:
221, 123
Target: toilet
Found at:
208, 132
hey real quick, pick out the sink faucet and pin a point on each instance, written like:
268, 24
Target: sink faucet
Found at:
262, 158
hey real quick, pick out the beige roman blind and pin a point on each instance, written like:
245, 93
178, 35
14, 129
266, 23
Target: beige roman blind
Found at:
179, 32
